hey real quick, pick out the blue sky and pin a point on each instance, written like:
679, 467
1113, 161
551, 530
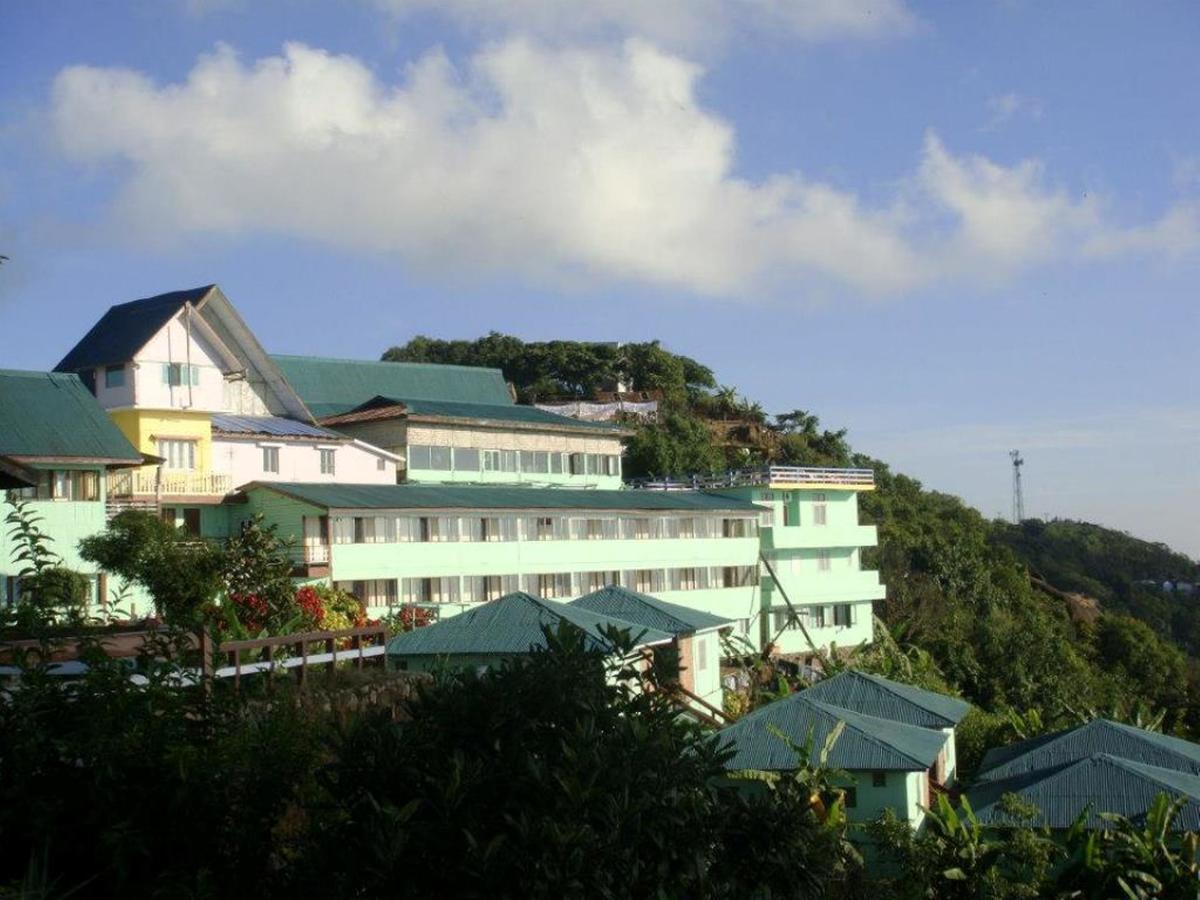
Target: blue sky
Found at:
952, 228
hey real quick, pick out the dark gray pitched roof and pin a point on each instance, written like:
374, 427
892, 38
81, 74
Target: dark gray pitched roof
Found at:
1103, 782
511, 625
614, 600
874, 695
125, 329
867, 743
52, 415
437, 496
270, 425
1097, 736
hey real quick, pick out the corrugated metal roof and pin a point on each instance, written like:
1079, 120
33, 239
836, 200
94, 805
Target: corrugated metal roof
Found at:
331, 386
651, 612
1096, 736
1102, 781
391, 408
867, 743
876, 696
511, 625
49, 414
270, 425
439, 496
125, 329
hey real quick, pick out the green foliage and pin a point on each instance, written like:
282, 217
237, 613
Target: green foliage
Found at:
678, 443
956, 858
1134, 861
181, 572
31, 546
257, 563
567, 369
58, 593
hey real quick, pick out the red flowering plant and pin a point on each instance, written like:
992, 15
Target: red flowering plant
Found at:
310, 608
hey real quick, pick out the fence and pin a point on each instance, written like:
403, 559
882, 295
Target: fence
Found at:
799, 476
366, 645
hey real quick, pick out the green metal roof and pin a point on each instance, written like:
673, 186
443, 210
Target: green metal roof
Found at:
651, 612
512, 625
1097, 736
526, 415
876, 696
438, 496
1103, 782
49, 414
124, 329
332, 386
867, 743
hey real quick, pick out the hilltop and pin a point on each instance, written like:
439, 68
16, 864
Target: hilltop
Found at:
973, 604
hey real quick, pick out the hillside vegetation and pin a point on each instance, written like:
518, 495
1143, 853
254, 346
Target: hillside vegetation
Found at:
962, 606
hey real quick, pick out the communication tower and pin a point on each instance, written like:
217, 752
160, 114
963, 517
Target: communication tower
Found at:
1018, 498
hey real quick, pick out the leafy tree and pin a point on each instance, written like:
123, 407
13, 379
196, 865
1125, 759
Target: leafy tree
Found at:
49, 590
181, 572
678, 444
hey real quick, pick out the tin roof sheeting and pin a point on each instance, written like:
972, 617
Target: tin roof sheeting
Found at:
437, 496
1097, 736
270, 425
526, 415
124, 329
331, 386
49, 414
512, 625
866, 744
614, 600
885, 699
1099, 783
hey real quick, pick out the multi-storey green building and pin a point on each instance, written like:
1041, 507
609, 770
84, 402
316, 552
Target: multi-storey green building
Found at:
419, 484
57, 448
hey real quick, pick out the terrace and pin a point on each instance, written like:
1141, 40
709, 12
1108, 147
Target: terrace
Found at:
774, 477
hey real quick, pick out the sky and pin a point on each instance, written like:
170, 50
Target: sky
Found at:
953, 229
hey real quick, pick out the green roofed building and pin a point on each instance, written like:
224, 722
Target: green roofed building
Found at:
1101, 766
885, 699
510, 626
696, 633
892, 763
57, 447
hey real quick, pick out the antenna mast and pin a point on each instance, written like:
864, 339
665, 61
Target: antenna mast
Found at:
1018, 498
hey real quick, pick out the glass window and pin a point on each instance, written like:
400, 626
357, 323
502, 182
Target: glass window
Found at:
271, 459
578, 464
343, 530
381, 464
508, 461
556, 463
879, 779
823, 563
527, 461
327, 462
819, 508
439, 458
114, 376
466, 459
177, 454
418, 456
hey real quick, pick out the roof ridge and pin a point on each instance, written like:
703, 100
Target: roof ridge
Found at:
833, 709
383, 362
37, 373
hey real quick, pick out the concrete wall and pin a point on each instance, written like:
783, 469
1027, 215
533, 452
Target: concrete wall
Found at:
354, 463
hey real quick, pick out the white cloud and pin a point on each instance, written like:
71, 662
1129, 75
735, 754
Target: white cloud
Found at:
596, 163
674, 23
1004, 107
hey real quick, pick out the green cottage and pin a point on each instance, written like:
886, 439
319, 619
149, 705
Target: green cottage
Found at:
57, 448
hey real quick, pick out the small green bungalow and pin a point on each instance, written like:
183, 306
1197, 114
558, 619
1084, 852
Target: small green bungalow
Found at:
890, 762
57, 447
883, 698
697, 634
1101, 766
506, 628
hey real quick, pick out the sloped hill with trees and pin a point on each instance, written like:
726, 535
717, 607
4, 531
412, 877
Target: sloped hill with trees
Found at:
963, 597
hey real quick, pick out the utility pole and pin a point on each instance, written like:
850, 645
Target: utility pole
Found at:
1018, 497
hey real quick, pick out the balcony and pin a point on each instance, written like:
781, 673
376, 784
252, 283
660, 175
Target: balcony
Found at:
774, 477
310, 560
168, 484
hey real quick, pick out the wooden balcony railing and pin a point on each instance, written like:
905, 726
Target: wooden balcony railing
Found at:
799, 476
156, 482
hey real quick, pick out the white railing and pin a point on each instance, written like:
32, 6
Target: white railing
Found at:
800, 476
141, 482
311, 554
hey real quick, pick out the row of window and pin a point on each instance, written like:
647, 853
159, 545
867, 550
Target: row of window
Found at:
550, 585
390, 529
173, 375
327, 460
472, 459
62, 484
841, 615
